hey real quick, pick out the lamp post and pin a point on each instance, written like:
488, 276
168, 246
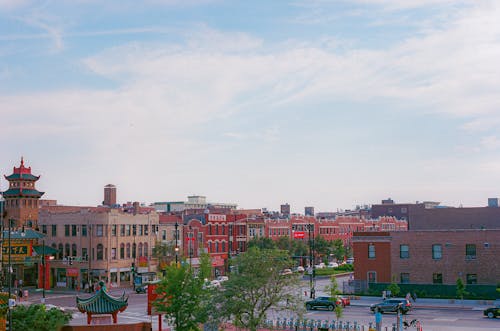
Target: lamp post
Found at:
9, 276
176, 245
311, 261
43, 270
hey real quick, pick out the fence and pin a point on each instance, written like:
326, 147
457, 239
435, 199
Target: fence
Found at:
292, 324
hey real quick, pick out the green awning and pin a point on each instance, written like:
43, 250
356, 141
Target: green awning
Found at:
40, 250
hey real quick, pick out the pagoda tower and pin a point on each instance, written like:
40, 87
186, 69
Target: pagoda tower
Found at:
21, 198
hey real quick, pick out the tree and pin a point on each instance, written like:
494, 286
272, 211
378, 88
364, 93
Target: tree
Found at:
338, 249
164, 252
257, 287
461, 289
182, 296
37, 317
262, 243
334, 292
394, 288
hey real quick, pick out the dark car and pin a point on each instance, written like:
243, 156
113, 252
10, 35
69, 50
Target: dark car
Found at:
492, 312
141, 289
392, 305
321, 302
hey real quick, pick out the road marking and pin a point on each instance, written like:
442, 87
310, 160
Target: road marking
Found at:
445, 319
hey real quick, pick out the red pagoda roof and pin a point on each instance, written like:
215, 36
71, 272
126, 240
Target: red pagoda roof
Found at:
22, 173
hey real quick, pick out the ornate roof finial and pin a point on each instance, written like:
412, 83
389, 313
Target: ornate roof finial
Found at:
22, 161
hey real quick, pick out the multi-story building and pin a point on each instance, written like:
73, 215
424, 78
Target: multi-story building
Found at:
99, 243
194, 202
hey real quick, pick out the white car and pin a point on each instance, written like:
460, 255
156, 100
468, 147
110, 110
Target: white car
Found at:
222, 278
320, 266
333, 265
300, 269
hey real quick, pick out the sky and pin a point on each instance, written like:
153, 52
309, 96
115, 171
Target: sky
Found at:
324, 103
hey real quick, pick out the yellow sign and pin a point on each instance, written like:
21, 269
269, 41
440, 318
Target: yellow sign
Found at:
16, 251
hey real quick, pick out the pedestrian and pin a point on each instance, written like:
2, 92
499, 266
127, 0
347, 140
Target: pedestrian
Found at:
20, 294
408, 296
414, 296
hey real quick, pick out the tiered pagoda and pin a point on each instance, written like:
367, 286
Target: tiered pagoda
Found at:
21, 198
102, 303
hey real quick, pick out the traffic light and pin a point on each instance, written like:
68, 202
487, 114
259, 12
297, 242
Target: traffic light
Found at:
132, 269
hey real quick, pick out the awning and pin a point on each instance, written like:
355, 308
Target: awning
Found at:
40, 250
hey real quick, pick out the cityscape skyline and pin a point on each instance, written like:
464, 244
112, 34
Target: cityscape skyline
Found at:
312, 103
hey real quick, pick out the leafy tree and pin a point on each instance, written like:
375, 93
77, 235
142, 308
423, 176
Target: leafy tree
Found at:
182, 296
164, 252
460, 289
284, 243
338, 249
394, 288
257, 287
262, 243
322, 247
334, 292
37, 317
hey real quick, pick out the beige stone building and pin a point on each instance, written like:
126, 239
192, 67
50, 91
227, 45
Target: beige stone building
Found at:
113, 244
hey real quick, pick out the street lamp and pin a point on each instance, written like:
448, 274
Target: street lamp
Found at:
176, 245
311, 261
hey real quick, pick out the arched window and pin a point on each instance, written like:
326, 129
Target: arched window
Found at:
146, 249
73, 250
66, 250
128, 251
140, 249
100, 252
217, 247
223, 229
216, 229
134, 250
223, 246
122, 251
61, 251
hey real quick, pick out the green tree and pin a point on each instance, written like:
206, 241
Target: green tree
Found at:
262, 243
257, 287
164, 252
461, 289
37, 317
394, 287
182, 296
338, 249
334, 292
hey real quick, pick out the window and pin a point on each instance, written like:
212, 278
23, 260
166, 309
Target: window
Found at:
437, 278
164, 235
140, 229
223, 246
128, 251
61, 251
122, 251
134, 250
470, 251
67, 251
73, 250
84, 253
404, 210
140, 249
405, 278
471, 279
73, 231
404, 251
372, 276
99, 231
127, 230
113, 230
54, 230
146, 229
44, 229
146, 249
134, 230
84, 230
437, 252
371, 251
100, 252
113, 253
66, 230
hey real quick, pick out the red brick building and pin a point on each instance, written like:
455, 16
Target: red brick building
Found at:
428, 257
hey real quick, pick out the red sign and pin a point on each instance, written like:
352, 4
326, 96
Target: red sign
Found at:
72, 272
217, 261
299, 235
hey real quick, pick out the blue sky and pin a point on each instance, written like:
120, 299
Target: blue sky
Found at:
315, 103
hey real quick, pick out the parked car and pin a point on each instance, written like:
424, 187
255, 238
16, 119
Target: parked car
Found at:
333, 265
286, 272
350, 260
392, 305
492, 312
344, 301
222, 279
141, 289
321, 302
300, 269
320, 266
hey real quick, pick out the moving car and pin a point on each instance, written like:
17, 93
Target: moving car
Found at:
492, 312
392, 305
321, 302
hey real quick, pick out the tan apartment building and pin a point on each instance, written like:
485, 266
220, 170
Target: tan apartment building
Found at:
99, 243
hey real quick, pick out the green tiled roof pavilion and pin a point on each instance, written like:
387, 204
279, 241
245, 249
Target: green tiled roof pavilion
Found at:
102, 303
